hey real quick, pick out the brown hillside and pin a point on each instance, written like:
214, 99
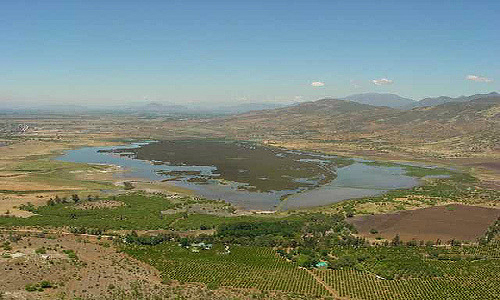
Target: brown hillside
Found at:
451, 129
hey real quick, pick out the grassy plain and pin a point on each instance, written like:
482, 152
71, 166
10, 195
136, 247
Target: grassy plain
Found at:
28, 174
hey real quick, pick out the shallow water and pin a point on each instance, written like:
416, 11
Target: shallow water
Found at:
135, 168
353, 181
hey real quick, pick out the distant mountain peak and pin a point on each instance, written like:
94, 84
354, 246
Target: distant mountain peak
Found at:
328, 106
434, 101
380, 99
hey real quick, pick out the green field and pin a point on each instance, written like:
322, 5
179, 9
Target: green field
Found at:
138, 212
243, 267
45, 170
423, 171
455, 274
279, 252
456, 277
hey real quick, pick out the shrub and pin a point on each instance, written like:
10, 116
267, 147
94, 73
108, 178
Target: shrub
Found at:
31, 287
75, 198
45, 284
27, 207
6, 246
40, 251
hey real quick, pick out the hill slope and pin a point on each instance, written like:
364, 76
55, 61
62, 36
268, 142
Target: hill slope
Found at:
452, 129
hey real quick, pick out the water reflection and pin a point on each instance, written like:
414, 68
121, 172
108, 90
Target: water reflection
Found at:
353, 181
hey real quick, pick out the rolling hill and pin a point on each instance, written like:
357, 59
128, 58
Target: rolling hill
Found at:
453, 129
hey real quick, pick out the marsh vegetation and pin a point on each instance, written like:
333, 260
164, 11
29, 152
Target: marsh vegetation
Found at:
260, 168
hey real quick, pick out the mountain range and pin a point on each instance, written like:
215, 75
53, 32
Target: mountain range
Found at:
444, 99
371, 99
158, 108
451, 129
162, 108
396, 101
377, 99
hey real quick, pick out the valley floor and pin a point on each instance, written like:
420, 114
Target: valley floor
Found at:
74, 231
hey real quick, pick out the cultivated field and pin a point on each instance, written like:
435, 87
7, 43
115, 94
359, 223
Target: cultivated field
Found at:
442, 222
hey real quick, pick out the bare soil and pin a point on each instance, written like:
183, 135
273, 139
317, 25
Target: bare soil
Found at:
97, 268
454, 221
99, 204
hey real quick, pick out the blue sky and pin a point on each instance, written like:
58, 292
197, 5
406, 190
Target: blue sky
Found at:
244, 51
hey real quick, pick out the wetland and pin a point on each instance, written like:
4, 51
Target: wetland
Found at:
248, 175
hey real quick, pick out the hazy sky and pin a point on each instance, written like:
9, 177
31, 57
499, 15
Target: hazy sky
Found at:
227, 51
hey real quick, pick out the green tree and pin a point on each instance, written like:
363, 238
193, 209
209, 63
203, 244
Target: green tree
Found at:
75, 198
396, 241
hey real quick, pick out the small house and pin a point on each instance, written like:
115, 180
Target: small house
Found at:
202, 246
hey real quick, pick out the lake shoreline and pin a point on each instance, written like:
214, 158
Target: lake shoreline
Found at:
352, 181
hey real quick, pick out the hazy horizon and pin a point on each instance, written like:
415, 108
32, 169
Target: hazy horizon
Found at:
227, 52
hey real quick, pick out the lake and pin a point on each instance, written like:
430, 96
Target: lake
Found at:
246, 175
